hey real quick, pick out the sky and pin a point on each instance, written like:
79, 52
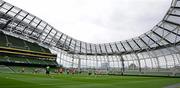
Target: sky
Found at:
98, 21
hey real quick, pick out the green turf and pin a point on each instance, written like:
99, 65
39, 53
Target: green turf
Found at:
12, 80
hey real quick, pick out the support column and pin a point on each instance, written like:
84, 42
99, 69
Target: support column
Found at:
122, 63
138, 62
158, 68
79, 63
108, 68
72, 64
96, 62
118, 60
60, 57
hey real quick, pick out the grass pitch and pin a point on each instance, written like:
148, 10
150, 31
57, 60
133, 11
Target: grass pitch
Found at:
13, 80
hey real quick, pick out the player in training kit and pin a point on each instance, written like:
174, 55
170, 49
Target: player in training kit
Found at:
47, 70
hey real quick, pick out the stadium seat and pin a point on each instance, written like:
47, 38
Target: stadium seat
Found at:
3, 40
15, 42
34, 47
3, 59
46, 50
18, 59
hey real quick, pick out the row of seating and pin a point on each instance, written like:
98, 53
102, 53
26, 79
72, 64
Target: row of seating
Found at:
16, 59
13, 42
3, 41
23, 69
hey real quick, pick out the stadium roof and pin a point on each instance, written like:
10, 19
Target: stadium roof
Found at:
19, 22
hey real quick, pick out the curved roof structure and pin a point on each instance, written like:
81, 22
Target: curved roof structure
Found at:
26, 24
163, 39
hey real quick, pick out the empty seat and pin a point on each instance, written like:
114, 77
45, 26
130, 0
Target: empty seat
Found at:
3, 40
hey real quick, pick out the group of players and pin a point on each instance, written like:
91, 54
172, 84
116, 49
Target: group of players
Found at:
37, 70
63, 70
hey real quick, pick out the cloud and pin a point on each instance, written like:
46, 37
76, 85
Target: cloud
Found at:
98, 21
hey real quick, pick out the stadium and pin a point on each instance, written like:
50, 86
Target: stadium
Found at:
28, 45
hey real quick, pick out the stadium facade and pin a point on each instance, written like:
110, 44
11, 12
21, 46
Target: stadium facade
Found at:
156, 51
